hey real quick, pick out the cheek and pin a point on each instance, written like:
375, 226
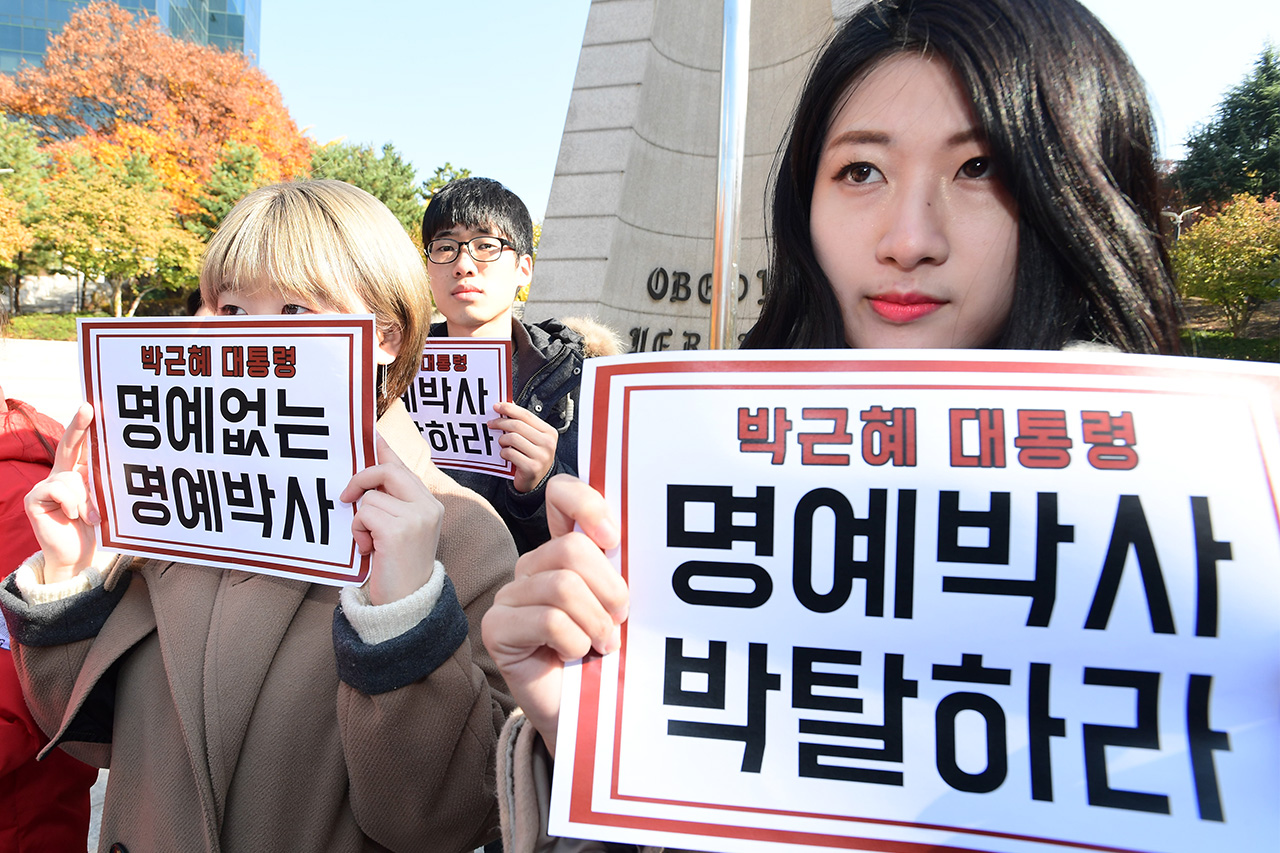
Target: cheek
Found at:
1007, 250
436, 284
994, 241
833, 243
997, 270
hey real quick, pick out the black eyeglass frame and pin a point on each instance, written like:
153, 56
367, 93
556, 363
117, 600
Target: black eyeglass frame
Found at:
458, 244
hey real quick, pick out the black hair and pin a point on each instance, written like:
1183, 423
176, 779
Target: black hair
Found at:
1066, 118
481, 204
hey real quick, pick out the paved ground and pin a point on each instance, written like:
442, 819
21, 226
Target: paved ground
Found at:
44, 374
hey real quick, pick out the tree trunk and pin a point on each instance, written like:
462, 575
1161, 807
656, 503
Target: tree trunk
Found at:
133, 306
117, 295
17, 285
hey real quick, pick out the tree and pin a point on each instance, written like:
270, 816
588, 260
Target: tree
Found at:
1232, 258
20, 198
443, 175
123, 88
108, 225
387, 177
15, 236
234, 176
1238, 151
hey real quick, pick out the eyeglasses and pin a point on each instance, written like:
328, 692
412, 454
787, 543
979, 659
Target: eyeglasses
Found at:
483, 248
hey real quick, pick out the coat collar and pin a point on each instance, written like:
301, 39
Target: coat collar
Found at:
219, 631
215, 674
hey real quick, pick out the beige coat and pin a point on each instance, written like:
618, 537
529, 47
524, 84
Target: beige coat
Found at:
524, 795
232, 730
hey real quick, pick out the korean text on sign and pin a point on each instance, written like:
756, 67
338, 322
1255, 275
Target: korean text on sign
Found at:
227, 441
451, 400
975, 602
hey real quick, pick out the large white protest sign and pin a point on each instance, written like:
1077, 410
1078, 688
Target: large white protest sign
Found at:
914, 601
226, 441
451, 400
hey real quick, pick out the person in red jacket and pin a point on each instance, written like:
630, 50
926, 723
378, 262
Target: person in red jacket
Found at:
44, 806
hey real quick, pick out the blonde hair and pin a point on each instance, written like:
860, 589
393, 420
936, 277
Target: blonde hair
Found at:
330, 243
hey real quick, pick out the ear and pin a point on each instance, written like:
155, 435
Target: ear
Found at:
388, 346
524, 267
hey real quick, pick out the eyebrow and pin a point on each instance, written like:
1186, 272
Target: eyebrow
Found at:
876, 137
453, 232
860, 137
964, 136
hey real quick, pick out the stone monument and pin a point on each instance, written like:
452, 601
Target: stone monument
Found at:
628, 234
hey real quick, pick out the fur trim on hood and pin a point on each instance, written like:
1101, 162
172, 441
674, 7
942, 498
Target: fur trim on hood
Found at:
597, 338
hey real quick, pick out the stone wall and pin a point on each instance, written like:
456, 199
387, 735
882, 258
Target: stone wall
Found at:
45, 294
628, 232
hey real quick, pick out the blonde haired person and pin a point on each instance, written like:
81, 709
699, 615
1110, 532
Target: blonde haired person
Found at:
246, 712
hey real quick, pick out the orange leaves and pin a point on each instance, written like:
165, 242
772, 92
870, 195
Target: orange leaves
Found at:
123, 87
14, 236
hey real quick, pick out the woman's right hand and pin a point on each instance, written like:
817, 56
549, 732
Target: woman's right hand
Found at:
60, 507
566, 599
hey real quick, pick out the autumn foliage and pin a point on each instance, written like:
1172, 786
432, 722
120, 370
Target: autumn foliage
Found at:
115, 87
15, 237
1232, 258
121, 154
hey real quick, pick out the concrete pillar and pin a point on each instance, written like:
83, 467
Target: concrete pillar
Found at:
627, 236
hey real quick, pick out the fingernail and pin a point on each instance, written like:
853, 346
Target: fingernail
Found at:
615, 640
93, 517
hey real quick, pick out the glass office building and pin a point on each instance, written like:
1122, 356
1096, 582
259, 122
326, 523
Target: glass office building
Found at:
25, 25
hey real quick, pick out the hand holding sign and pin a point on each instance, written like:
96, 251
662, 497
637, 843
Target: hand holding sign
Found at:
398, 522
528, 442
61, 508
566, 600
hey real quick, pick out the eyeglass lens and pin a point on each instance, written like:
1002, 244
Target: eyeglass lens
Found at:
483, 248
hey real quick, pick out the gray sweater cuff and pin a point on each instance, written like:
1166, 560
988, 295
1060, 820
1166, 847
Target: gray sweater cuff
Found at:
374, 668
66, 620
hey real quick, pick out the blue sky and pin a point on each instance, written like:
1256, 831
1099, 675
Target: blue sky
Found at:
486, 86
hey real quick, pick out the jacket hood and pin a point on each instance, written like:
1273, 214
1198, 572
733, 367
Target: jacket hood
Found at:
597, 338
18, 440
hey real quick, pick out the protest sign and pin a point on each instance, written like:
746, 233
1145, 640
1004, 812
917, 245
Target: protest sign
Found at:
912, 600
226, 441
451, 400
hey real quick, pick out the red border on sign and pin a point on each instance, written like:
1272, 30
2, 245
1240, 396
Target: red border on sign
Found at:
505, 350
581, 809
352, 329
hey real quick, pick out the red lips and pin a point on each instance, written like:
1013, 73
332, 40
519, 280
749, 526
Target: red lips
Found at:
904, 307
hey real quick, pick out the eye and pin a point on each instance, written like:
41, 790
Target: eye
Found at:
293, 308
229, 310
860, 173
488, 244
978, 167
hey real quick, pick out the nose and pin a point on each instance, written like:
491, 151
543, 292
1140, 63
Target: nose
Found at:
464, 264
915, 228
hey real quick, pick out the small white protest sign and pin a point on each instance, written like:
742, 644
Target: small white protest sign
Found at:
921, 600
227, 440
451, 400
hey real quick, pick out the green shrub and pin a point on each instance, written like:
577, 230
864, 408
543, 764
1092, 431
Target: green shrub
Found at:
45, 327
1223, 345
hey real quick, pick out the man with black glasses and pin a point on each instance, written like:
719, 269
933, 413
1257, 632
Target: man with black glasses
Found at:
479, 242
